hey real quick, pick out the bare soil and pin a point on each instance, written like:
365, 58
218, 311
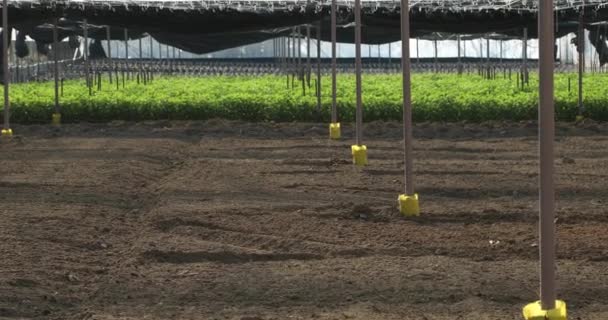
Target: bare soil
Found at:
232, 220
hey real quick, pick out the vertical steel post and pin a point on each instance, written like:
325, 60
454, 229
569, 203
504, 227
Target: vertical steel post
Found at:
546, 137
525, 55
581, 62
299, 34
5, 39
417, 50
109, 52
319, 70
436, 53
140, 62
109, 43
17, 69
390, 53
293, 58
87, 64
359, 113
407, 97
308, 66
334, 107
56, 65
501, 54
488, 71
459, 59
126, 44
288, 60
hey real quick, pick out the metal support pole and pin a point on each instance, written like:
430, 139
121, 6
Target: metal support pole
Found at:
319, 70
308, 66
459, 59
17, 70
417, 50
546, 137
109, 52
501, 54
87, 63
581, 62
407, 97
488, 49
299, 72
293, 59
390, 53
108, 35
488, 57
5, 39
359, 113
334, 107
288, 60
525, 55
56, 65
126, 44
436, 53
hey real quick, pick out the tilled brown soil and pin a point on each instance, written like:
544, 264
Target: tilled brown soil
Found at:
229, 220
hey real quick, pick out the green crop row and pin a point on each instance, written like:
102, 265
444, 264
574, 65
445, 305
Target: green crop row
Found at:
435, 97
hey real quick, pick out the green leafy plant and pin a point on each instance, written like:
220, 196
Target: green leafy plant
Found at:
435, 97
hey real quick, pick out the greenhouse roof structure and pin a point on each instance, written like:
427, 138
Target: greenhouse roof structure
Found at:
211, 25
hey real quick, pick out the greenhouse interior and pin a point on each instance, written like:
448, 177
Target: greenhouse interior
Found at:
299, 159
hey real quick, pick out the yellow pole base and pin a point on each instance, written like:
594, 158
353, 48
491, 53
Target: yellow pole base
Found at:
534, 311
7, 133
579, 118
409, 206
334, 130
56, 120
359, 155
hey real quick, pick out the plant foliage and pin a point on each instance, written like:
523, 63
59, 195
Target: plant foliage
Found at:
435, 97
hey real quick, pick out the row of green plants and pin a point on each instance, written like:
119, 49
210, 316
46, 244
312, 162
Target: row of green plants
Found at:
435, 97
